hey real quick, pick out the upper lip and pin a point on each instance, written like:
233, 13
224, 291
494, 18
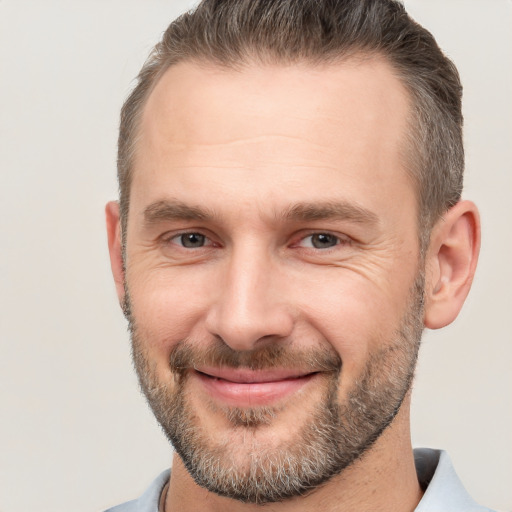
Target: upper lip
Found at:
248, 376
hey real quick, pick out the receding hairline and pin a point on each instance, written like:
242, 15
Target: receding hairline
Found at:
355, 57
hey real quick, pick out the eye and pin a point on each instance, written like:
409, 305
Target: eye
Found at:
320, 241
190, 240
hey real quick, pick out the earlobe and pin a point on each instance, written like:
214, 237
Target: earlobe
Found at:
115, 246
451, 263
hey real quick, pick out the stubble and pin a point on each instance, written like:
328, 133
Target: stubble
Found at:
334, 435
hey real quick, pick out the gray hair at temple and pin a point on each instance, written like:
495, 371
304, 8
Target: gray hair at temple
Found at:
233, 33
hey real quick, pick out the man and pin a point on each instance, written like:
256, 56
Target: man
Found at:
290, 219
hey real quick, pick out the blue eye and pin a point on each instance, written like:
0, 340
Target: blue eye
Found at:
191, 240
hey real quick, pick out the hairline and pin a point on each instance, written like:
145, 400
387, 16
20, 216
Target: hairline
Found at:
408, 148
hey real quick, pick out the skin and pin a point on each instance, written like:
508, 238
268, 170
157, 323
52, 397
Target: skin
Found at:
248, 146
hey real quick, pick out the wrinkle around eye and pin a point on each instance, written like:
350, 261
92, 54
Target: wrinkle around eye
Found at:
168, 248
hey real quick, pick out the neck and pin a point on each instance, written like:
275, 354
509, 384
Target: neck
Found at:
383, 479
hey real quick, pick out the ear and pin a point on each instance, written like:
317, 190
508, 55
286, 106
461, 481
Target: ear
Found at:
451, 263
115, 246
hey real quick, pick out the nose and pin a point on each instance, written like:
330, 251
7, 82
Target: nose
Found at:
249, 307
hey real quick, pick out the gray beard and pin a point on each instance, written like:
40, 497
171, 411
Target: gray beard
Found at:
336, 435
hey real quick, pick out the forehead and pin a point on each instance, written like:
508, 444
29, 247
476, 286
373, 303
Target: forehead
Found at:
363, 88
344, 121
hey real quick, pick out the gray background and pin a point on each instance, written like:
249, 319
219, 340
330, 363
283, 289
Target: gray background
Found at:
74, 432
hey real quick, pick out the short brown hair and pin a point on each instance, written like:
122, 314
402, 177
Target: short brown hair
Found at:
232, 32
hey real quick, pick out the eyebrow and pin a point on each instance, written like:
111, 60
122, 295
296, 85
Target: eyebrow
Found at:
172, 210
335, 210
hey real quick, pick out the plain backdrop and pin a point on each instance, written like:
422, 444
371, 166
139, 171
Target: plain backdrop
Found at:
75, 434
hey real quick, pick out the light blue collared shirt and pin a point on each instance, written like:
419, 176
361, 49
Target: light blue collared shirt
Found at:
444, 491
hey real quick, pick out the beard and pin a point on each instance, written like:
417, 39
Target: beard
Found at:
335, 434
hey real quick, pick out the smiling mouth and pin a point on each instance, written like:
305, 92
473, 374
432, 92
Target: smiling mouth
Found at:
250, 388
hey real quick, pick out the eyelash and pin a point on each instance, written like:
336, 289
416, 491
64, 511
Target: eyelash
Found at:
171, 239
338, 240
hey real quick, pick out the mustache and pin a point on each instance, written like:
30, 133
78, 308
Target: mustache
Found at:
187, 355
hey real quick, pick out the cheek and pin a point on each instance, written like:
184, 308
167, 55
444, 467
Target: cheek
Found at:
166, 310
357, 316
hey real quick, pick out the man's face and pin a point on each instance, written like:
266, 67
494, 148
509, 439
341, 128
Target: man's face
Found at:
272, 269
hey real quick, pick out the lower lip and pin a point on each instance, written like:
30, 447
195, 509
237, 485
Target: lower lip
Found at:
252, 394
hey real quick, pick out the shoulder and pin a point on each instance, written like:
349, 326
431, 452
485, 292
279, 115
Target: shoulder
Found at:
148, 502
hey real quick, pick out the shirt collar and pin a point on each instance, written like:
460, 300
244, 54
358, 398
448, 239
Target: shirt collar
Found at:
443, 489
